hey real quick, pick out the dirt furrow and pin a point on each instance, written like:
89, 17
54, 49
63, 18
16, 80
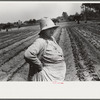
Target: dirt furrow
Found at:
15, 63
15, 51
11, 66
20, 74
87, 63
94, 55
76, 57
3, 39
14, 40
15, 45
71, 73
91, 37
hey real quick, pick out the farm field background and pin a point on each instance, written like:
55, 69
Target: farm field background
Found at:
80, 44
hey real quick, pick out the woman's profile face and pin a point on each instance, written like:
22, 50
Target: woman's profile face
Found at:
50, 32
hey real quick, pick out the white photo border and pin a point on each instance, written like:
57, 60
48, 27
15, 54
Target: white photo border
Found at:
49, 90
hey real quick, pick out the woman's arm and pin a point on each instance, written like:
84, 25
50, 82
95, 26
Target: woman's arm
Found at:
32, 52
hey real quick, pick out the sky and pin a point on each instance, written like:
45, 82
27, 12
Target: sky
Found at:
14, 11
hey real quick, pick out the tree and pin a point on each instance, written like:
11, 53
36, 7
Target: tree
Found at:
71, 17
84, 12
77, 17
7, 26
31, 22
95, 6
19, 23
65, 15
34, 21
91, 11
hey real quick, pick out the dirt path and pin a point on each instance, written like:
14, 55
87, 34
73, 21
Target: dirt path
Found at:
71, 74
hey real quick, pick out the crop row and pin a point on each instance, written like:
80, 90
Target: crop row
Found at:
11, 47
10, 54
13, 60
90, 36
10, 36
84, 63
16, 31
15, 39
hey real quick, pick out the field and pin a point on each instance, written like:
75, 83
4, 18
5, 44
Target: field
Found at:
80, 44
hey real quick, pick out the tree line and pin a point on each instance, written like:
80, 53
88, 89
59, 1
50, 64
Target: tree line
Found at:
18, 24
89, 11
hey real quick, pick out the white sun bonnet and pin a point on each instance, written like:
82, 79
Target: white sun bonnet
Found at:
46, 23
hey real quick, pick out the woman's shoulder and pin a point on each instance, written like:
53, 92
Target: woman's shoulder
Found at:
40, 41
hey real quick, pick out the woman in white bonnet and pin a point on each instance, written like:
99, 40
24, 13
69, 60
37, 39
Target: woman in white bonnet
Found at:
45, 56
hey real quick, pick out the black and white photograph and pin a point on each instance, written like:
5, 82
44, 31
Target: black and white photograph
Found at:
52, 42
49, 41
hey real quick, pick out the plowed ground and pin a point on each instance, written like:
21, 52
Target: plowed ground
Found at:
80, 44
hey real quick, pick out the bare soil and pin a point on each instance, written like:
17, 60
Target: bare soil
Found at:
80, 44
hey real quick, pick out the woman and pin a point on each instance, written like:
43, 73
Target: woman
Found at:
45, 55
